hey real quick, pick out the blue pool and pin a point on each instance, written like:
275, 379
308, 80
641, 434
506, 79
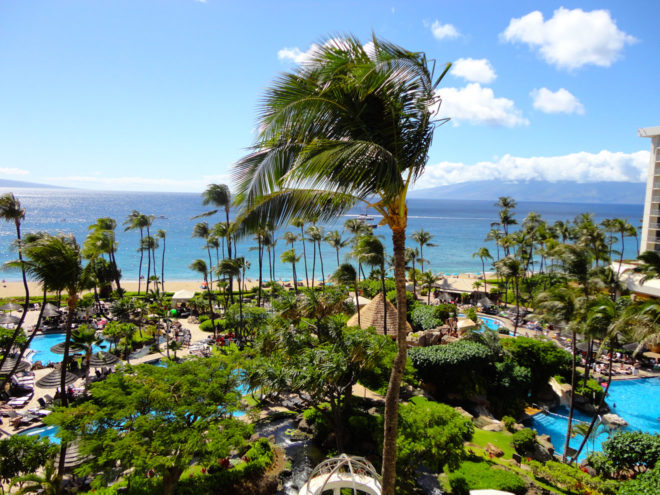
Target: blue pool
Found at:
636, 401
489, 323
41, 344
43, 431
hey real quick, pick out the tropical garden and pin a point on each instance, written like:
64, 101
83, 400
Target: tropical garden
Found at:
351, 127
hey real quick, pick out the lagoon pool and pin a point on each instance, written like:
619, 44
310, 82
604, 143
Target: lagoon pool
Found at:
43, 431
636, 401
41, 344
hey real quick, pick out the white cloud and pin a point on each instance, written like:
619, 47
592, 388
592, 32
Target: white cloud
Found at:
571, 38
578, 167
474, 70
13, 171
561, 101
478, 105
296, 54
442, 31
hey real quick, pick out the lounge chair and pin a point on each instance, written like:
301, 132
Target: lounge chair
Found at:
48, 399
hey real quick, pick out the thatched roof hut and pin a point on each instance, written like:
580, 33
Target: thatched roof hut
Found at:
372, 315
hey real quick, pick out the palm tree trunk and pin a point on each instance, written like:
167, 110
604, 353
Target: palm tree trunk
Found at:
337, 256
208, 249
382, 284
517, 293
208, 291
357, 304
162, 268
260, 253
618, 271
421, 256
321, 260
72, 300
313, 267
302, 238
295, 282
600, 404
241, 289
391, 415
572, 403
483, 271
141, 260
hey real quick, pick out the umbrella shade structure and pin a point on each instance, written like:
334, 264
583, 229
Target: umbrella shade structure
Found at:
59, 348
362, 301
11, 306
6, 319
652, 355
9, 365
372, 316
582, 346
100, 359
444, 297
485, 302
50, 310
52, 379
632, 347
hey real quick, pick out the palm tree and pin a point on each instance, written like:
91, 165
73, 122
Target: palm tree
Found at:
347, 275
11, 211
201, 231
300, 223
315, 235
509, 268
161, 234
48, 484
334, 239
199, 266
428, 280
136, 220
149, 244
412, 255
495, 235
649, 266
372, 252
423, 238
351, 125
290, 257
219, 195
84, 338
103, 236
483, 254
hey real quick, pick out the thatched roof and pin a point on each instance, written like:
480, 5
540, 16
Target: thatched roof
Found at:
372, 315
52, 379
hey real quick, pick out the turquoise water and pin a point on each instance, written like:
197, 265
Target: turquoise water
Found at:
458, 227
41, 344
48, 432
490, 323
637, 401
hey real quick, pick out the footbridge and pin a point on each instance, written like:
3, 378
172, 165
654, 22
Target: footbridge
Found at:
333, 475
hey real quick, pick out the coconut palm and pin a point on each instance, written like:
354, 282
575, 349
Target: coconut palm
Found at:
509, 268
289, 256
11, 211
200, 267
372, 252
300, 223
103, 236
161, 234
423, 238
412, 255
483, 254
219, 195
50, 483
427, 280
333, 238
84, 338
315, 236
347, 275
138, 221
352, 124
649, 266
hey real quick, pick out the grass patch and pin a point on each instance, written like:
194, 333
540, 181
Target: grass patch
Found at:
482, 475
501, 439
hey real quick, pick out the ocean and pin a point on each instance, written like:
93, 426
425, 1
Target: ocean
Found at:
458, 228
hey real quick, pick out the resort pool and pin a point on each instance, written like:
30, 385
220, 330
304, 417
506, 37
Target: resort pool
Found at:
41, 344
488, 322
636, 401
43, 432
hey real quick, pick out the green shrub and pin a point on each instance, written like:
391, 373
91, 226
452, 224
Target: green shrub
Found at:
423, 317
503, 331
471, 313
206, 326
524, 440
370, 288
593, 392
483, 475
509, 423
458, 484
647, 483
632, 450
572, 479
203, 318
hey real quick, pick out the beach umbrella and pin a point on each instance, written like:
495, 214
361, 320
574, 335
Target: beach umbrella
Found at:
9, 363
11, 306
485, 302
50, 310
100, 359
52, 379
582, 346
8, 319
59, 348
632, 347
652, 355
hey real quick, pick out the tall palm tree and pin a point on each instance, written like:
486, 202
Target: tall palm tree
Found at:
333, 238
428, 280
138, 221
411, 256
351, 125
11, 211
149, 245
423, 238
347, 275
201, 231
483, 254
315, 235
161, 234
219, 195
200, 267
300, 223
83, 339
372, 252
103, 235
509, 268
289, 256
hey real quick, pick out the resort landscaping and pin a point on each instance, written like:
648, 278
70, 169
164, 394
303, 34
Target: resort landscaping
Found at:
243, 387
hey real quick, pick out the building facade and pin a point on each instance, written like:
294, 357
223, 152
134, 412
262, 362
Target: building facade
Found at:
651, 223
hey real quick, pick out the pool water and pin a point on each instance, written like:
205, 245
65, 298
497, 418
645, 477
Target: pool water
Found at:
636, 401
489, 323
43, 432
41, 344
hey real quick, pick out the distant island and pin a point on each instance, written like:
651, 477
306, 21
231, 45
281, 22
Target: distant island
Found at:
542, 191
8, 184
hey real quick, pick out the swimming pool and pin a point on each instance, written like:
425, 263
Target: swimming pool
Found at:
43, 432
636, 401
41, 344
488, 322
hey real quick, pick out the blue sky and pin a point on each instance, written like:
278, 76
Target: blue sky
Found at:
162, 95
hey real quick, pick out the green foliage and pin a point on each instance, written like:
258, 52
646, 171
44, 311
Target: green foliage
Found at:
601, 464
317, 419
592, 392
203, 318
508, 387
21, 454
509, 423
377, 376
6, 336
371, 288
424, 317
483, 475
471, 313
254, 318
431, 433
458, 484
572, 479
524, 440
207, 325
632, 450
157, 418
459, 367
542, 357
647, 483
